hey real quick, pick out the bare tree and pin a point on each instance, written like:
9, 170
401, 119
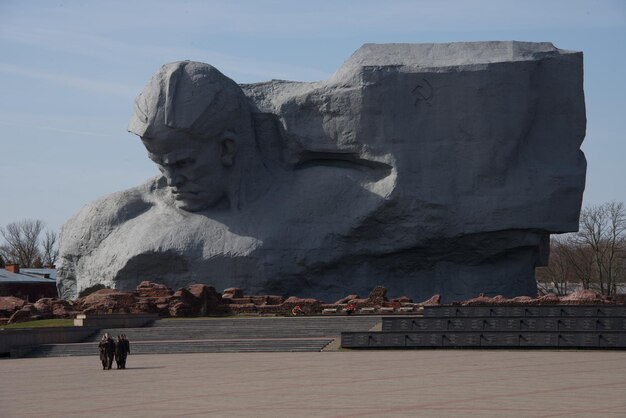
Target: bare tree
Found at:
581, 262
594, 257
22, 241
559, 272
49, 248
603, 232
617, 244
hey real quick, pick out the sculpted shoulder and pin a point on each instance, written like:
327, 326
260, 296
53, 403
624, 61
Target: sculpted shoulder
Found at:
95, 221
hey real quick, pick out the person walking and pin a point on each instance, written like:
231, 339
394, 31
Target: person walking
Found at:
120, 349
126, 344
103, 346
110, 351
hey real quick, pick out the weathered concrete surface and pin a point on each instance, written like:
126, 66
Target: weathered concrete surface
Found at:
427, 168
17, 341
329, 384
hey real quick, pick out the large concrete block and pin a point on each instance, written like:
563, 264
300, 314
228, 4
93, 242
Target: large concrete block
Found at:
427, 168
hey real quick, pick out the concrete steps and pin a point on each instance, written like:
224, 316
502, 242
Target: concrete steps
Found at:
221, 335
179, 347
242, 328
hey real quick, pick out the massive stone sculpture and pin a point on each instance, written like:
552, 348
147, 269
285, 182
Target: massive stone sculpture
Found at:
427, 168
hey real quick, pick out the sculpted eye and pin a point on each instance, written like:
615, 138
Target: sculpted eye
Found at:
183, 163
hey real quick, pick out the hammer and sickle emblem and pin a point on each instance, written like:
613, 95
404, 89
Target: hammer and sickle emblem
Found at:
423, 92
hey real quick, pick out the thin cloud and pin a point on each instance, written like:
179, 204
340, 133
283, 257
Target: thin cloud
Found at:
148, 31
111, 50
61, 130
108, 88
325, 18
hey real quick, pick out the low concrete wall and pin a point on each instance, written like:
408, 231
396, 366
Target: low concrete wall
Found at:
16, 342
115, 320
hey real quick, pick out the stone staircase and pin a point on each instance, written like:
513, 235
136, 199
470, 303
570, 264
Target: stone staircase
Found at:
221, 335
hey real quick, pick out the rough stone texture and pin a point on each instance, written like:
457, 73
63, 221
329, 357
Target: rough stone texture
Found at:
434, 300
43, 306
258, 300
429, 168
27, 313
581, 297
402, 299
548, 299
148, 289
146, 305
485, 300
10, 304
585, 296
203, 300
307, 305
347, 299
232, 293
54, 307
522, 299
197, 300
244, 308
210, 301
360, 303
106, 301
378, 296
179, 308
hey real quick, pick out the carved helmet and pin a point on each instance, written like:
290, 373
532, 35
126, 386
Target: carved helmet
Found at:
188, 96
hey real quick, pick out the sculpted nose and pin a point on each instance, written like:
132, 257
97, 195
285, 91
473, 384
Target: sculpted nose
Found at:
176, 181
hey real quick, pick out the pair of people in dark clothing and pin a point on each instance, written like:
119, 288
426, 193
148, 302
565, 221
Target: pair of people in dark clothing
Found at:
110, 348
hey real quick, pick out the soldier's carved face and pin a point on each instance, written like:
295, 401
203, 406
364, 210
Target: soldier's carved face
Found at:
197, 170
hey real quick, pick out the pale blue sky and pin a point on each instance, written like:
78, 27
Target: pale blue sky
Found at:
69, 71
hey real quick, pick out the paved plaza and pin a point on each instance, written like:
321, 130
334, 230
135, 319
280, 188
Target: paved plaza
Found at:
424, 383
